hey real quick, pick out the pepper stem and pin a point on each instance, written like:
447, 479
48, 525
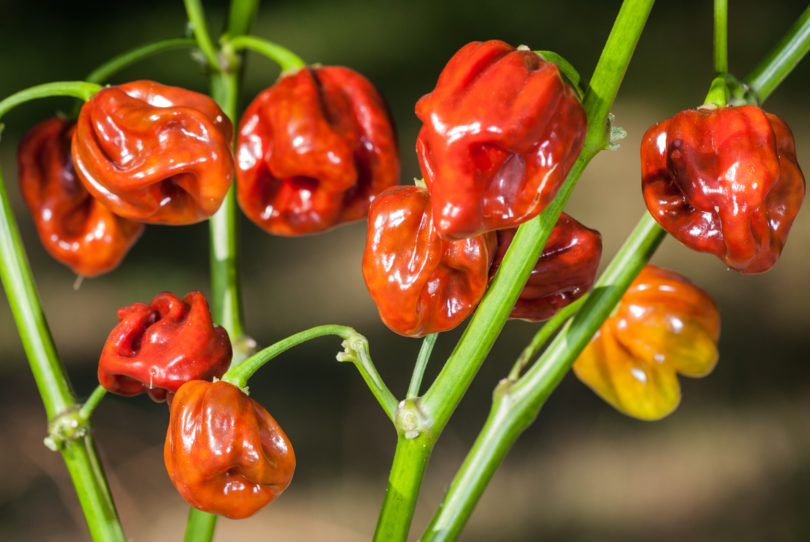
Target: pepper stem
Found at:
126, 59
286, 59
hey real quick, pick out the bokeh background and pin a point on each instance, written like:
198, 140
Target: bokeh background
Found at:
733, 463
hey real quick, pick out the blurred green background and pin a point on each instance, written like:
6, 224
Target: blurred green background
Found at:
733, 463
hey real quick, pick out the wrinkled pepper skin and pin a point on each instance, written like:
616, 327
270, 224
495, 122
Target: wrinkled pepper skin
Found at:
154, 153
724, 181
420, 282
224, 452
663, 325
74, 227
500, 132
157, 348
565, 271
313, 150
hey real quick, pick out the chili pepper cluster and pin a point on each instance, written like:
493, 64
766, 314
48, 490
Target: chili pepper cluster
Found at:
500, 133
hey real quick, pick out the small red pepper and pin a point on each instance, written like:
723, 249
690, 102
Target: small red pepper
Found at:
313, 150
501, 131
564, 272
663, 325
154, 153
74, 227
420, 282
156, 348
224, 452
724, 180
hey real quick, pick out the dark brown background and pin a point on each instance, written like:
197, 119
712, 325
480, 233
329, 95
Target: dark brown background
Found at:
733, 463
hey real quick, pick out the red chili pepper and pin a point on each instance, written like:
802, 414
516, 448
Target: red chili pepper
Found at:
224, 452
501, 131
156, 348
74, 227
313, 150
564, 272
724, 181
154, 153
663, 325
420, 282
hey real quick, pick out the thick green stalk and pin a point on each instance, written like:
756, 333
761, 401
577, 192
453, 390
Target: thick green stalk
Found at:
443, 397
226, 304
516, 403
782, 59
72, 439
78, 453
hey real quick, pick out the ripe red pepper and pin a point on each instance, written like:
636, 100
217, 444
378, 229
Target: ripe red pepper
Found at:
74, 227
224, 452
156, 348
420, 282
663, 325
154, 153
564, 272
501, 131
313, 150
724, 180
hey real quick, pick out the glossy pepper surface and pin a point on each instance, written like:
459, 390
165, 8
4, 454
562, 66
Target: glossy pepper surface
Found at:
74, 227
224, 452
156, 348
420, 282
313, 150
663, 325
154, 153
500, 132
564, 272
725, 181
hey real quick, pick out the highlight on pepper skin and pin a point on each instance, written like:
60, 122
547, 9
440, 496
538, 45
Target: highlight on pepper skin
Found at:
501, 130
725, 181
420, 282
154, 153
74, 227
313, 150
664, 325
157, 348
224, 452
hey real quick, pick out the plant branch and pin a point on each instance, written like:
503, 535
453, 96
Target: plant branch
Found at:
74, 89
126, 59
421, 364
286, 59
196, 17
781, 60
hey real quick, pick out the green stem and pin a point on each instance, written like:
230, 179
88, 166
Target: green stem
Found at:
92, 402
51, 380
286, 59
356, 351
720, 36
75, 89
200, 526
782, 59
196, 17
543, 335
124, 60
517, 403
451, 384
421, 364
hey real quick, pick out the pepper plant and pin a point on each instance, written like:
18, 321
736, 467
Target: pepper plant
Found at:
506, 135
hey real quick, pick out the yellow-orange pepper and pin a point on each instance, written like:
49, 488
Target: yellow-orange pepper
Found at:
663, 325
